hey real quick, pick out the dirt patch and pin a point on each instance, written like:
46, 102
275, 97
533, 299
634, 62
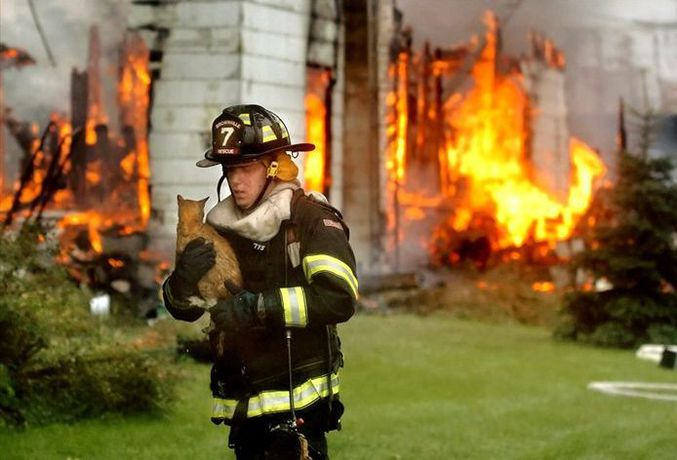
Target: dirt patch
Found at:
500, 294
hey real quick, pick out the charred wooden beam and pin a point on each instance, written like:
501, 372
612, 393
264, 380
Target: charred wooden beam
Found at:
95, 98
102, 152
79, 98
78, 156
26, 177
22, 133
56, 178
14, 57
48, 185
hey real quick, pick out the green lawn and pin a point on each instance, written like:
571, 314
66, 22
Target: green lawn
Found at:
421, 388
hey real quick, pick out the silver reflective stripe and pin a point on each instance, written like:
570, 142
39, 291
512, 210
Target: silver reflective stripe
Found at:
315, 264
223, 409
294, 251
271, 402
294, 306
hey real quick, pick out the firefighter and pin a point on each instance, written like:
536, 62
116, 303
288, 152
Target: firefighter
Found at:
299, 281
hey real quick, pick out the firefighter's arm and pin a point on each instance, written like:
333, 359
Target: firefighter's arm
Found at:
329, 297
329, 267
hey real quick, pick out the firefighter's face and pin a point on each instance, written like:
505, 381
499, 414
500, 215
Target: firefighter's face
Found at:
246, 182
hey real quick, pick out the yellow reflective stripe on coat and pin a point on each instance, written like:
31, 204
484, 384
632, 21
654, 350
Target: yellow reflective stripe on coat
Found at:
294, 306
318, 263
272, 402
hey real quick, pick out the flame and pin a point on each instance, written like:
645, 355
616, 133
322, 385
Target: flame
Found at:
133, 95
316, 116
105, 191
14, 57
396, 133
143, 183
128, 165
9, 53
543, 286
93, 173
485, 174
315, 132
92, 220
90, 131
396, 164
116, 263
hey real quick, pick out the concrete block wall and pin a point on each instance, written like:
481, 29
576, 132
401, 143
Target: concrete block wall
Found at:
217, 53
386, 31
274, 53
337, 140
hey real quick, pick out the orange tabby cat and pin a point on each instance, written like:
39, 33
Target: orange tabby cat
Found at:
226, 268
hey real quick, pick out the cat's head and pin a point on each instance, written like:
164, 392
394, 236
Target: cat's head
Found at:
191, 210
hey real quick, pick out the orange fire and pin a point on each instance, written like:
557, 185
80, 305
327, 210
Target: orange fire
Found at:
316, 116
116, 263
488, 152
92, 220
398, 164
119, 200
9, 53
543, 286
133, 94
396, 133
485, 175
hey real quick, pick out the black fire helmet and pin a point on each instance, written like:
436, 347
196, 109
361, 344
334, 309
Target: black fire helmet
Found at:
244, 133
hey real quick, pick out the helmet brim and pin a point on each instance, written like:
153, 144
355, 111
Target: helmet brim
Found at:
300, 147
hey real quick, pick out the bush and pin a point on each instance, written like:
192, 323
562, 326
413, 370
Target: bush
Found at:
632, 247
58, 363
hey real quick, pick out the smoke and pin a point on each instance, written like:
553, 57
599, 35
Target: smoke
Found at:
614, 49
35, 91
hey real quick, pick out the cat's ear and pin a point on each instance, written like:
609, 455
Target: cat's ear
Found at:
179, 199
204, 200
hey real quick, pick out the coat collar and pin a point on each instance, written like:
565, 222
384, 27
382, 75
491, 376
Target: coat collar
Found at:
264, 222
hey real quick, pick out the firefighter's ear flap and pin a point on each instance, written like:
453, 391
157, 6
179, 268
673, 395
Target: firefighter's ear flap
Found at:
286, 169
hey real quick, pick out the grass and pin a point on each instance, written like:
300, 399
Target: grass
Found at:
421, 388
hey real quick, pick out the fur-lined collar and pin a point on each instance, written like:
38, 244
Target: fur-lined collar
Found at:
263, 223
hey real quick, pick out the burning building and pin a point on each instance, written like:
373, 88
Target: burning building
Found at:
480, 149
296, 59
437, 149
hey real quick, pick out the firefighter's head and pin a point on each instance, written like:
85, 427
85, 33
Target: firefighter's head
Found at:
248, 181
252, 145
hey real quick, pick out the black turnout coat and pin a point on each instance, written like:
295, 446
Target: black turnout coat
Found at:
308, 271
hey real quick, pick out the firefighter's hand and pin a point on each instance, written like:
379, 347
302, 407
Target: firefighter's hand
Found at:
237, 313
191, 265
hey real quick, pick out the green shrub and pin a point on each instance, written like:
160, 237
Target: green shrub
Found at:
632, 247
57, 362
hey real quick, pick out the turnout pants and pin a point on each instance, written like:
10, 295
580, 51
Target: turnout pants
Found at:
261, 438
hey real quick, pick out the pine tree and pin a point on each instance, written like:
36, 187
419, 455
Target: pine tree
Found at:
631, 242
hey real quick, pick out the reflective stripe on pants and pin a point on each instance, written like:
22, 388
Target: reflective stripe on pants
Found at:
272, 402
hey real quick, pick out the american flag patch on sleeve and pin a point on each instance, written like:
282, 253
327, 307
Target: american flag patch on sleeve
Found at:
332, 223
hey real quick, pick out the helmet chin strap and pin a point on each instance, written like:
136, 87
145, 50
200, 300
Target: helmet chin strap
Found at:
271, 172
218, 185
